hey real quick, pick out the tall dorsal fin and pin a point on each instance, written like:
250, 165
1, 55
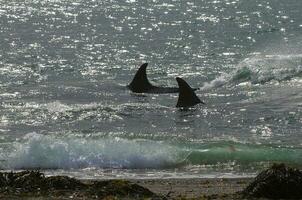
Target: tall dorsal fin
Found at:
140, 81
187, 96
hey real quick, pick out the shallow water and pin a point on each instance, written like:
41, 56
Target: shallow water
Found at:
65, 108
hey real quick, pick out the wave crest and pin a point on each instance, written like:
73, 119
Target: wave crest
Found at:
260, 70
47, 152
36, 151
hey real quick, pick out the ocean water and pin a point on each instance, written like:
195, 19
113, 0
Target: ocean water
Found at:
65, 108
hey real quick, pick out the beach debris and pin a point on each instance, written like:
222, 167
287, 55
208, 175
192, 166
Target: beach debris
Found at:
277, 182
121, 188
34, 183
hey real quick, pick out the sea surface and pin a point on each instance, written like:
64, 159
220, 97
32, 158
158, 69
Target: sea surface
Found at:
65, 108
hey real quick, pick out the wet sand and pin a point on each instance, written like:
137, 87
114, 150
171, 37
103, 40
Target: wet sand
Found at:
199, 188
195, 188
277, 182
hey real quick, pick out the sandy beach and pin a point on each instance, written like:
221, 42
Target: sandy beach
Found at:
195, 188
277, 182
33, 185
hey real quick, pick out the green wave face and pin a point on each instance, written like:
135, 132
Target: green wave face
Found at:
37, 151
242, 154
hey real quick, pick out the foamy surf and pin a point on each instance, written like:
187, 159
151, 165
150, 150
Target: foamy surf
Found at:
260, 70
37, 151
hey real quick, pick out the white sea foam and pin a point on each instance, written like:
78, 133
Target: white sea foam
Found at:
36, 151
217, 82
49, 152
260, 69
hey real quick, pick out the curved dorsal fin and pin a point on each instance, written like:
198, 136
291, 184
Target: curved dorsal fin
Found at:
187, 96
140, 81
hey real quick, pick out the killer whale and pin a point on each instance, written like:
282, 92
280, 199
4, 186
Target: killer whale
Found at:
187, 96
141, 84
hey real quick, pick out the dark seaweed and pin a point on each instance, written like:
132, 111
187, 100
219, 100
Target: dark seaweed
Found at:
277, 182
34, 183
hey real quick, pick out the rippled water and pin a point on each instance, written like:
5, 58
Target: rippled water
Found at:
65, 108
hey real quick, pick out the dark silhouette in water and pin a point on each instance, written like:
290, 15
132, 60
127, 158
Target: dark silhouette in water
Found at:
141, 84
187, 96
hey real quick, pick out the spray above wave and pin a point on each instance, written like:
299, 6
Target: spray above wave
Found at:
260, 70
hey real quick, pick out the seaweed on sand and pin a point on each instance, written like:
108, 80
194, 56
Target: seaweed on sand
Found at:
277, 182
34, 183
121, 188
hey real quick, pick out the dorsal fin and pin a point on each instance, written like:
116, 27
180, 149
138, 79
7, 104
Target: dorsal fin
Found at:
140, 81
187, 96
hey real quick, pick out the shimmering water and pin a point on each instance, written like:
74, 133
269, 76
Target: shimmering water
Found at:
65, 108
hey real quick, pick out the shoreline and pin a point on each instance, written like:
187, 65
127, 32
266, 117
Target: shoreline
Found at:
170, 189
35, 185
195, 187
277, 182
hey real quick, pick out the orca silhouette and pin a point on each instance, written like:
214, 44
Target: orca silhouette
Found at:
187, 96
141, 84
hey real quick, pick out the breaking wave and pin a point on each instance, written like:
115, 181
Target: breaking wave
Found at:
260, 70
36, 151
47, 152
